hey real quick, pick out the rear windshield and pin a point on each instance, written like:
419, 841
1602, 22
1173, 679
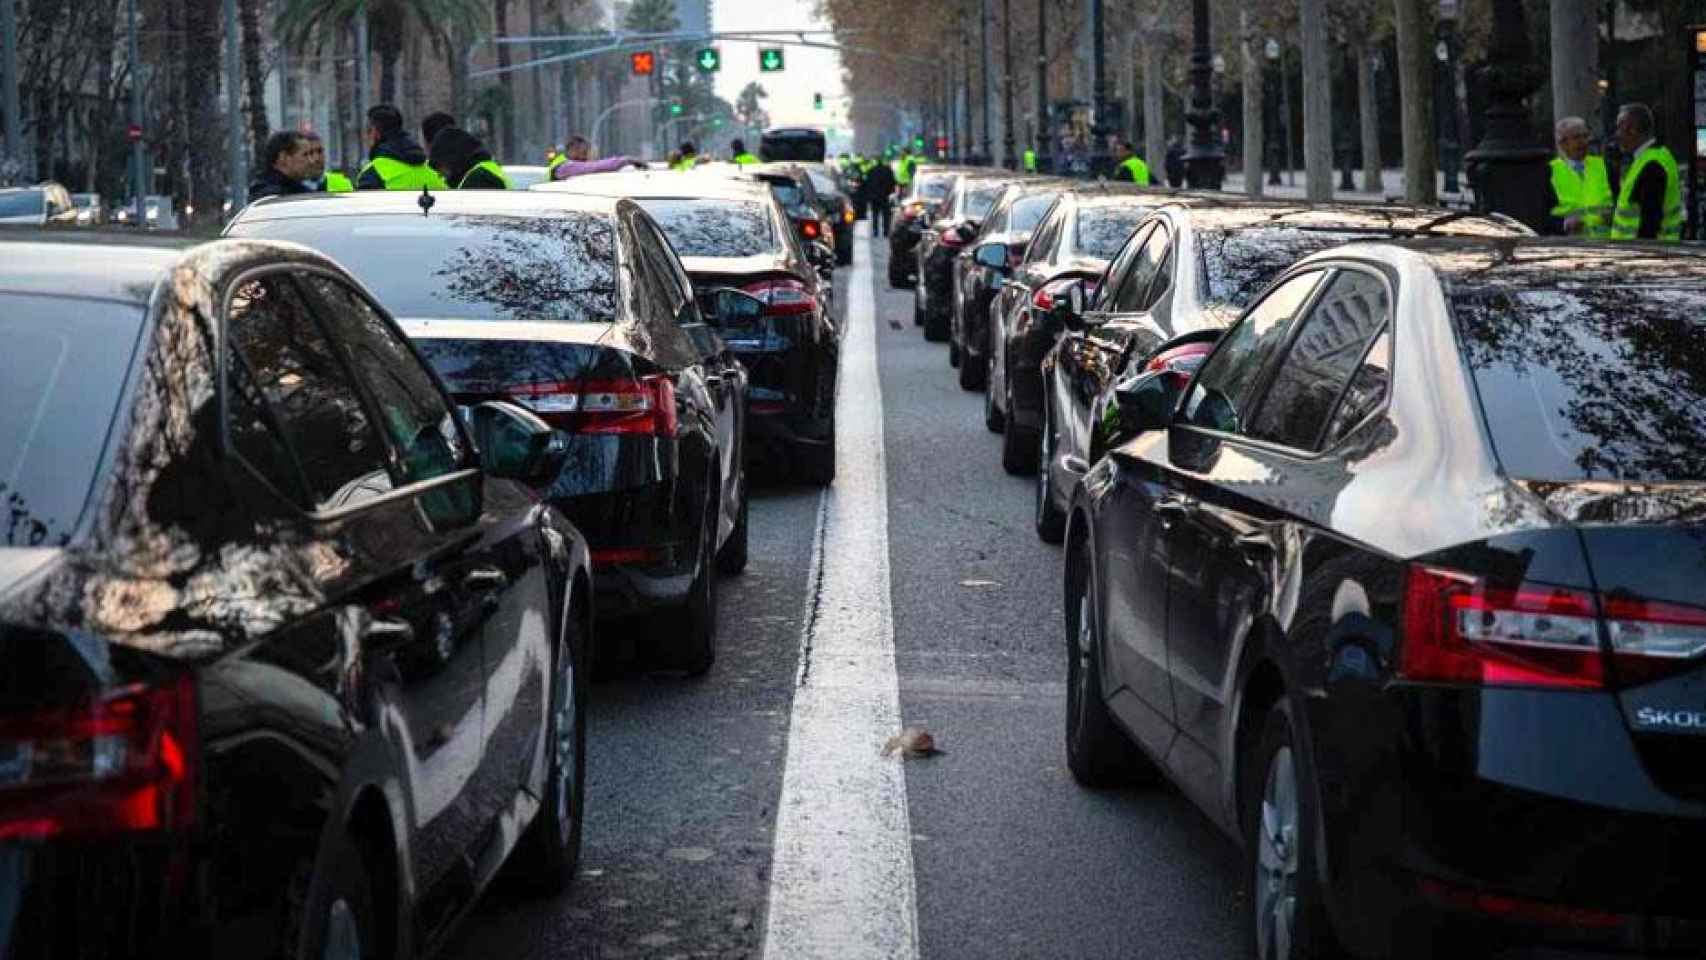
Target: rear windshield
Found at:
822, 182
714, 228
1239, 264
932, 188
979, 199
788, 193
60, 377
559, 268
1028, 211
22, 203
1591, 383
1102, 230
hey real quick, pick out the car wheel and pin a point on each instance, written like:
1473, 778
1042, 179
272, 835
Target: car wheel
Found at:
1288, 916
973, 372
953, 352
1050, 521
548, 853
731, 559
342, 922
993, 419
698, 618
1018, 444
935, 325
917, 305
1097, 753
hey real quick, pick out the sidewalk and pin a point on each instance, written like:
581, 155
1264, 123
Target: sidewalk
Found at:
1392, 180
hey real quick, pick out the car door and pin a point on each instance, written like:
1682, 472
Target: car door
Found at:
488, 556
1241, 488
297, 417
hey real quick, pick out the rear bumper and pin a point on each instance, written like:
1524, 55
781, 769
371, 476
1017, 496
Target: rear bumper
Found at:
1025, 352
1521, 817
643, 544
974, 321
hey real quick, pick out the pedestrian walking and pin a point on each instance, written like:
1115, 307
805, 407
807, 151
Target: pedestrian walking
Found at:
577, 161
464, 162
1649, 205
290, 167
395, 160
741, 156
879, 187
1581, 190
1128, 166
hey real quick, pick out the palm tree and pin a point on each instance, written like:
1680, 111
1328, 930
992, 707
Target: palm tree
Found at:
307, 23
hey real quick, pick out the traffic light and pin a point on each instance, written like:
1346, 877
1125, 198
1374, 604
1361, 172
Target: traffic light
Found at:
917, 143
817, 101
709, 60
770, 59
675, 108
644, 62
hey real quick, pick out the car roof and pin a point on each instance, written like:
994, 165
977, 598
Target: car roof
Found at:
1113, 195
657, 184
496, 203
1551, 262
1207, 213
104, 271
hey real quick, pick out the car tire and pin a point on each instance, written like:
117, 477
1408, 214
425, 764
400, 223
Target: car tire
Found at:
341, 918
697, 618
898, 279
844, 255
817, 462
993, 419
1050, 521
1018, 445
917, 307
1097, 752
549, 851
953, 352
731, 559
935, 326
1279, 818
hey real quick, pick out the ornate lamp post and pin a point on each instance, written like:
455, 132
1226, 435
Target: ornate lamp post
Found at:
1445, 115
1007, 85
1205, 161
1100, 161
1272, 50
1508, 167
983, 75
1044, 133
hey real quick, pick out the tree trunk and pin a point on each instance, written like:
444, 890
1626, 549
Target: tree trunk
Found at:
500, 11
1252, 80
1575, 60
206, 133
458, 70
249, 14
1154, 110
1416, 91
1368, 112
1317, 101
349, 160
390, 51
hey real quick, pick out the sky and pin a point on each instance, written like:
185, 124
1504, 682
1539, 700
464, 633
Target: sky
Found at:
808, 70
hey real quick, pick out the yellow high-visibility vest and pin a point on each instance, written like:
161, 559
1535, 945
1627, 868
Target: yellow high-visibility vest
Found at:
1626, 219
1135, 170
398, 175
1587, 195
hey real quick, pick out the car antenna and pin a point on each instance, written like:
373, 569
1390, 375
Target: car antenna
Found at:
426, 200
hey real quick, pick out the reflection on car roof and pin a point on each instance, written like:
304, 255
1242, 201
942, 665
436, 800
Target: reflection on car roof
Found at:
508, 203
659, 184
105, 271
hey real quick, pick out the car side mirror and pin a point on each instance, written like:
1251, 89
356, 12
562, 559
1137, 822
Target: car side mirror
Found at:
1068, 310
991, 255
515, 444
1146, 402
735, 308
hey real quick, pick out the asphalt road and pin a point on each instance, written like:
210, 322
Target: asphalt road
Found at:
1008, 856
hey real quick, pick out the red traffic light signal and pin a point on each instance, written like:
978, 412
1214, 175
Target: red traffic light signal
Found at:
941, 143
644, 62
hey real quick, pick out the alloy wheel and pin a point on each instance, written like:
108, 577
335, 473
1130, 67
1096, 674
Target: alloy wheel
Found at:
1045, 452
565, 745
1086, 649
1277, 859
343, 934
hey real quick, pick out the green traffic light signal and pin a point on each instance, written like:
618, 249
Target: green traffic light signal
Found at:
917, 143
817, 101
675, 108
709, 59
770, 59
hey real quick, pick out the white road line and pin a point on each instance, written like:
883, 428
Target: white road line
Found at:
841, 880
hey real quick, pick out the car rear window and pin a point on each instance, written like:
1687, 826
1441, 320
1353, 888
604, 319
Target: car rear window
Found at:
980, 198
1590, 382
1239, 264
61, 374
557, 268
1102, 231
1028, 212
22, 203
714, 228
788, 193
932, 188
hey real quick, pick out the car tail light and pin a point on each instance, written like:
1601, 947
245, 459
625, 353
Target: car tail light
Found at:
847, 212
611, 556
1521, 910
810, 229
1650, 640
645, 406
127, 762
1180, 362
782, 296
1457, 629
1050, 293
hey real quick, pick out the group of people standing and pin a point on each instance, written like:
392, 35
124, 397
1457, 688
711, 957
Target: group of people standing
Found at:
1647, 203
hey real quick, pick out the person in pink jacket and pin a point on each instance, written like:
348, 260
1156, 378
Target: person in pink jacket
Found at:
575, 162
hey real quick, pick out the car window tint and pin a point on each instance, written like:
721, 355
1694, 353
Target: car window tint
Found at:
1134, 291
1163, 279
1325, 353
997, 222
303, 390
1102, 229
1028, 210
1367, 390
1221, 393
1118, 269
1042, 241
979, 199
714, 228
412, 411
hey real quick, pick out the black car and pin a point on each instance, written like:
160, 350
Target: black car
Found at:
1178, 281
577, 309
1404, 591
292, 650
949, 234
1080, 233
799, 198
732, 233
914, 211
837, 208
983, 265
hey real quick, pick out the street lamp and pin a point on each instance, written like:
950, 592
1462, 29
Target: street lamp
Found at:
1205, 161
1007, 84
1100, 162
1509, 166
983, 75
1445, 72
1347, 135
1044, 135
1272, 50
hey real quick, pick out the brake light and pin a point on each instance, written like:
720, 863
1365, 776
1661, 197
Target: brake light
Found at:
1457, 629
810, 229
1050, 293
1650, 639
1180, 362
642, 407
782, 296
126, 763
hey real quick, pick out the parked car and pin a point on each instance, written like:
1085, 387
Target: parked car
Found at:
799, 198
731, 232
91, 212
836, 207
1379, 595
914, 211
1178, 281
577, 309
40, 205
1080, 233
158, 212
980, 272
949, 234
293, 651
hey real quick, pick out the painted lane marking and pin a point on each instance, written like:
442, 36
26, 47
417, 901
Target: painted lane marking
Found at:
841, 875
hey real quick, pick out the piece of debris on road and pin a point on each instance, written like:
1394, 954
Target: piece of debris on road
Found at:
911, 742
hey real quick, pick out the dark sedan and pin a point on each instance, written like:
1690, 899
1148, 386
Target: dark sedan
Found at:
836, 207
1180, 279
1075, 240
957, 222
731, 232
914, 210
1404, 591
983, 266
292, 650
809, 212
576, 308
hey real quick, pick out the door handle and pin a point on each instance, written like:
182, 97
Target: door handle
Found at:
1174, 507
713, 380
387, 635
484, 578
1253, 542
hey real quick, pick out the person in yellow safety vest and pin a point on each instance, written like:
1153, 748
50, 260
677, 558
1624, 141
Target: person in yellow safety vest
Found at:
689, 157
461, 159
331, 181
1581, 190
1649, 206
903, 168
1030, 160
1128, 165
396, 161
741, 156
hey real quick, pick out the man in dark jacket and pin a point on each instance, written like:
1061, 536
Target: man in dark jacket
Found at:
433, 123
396, 161
879, 187
288, 166
464, 162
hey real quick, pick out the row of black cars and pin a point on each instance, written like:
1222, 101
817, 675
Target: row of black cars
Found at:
312, 534
1383, 541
